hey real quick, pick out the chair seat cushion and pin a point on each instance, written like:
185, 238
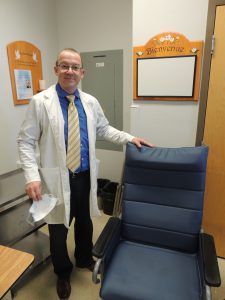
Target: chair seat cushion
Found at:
165, 274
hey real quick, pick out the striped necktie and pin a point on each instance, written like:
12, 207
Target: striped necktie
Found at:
73, 146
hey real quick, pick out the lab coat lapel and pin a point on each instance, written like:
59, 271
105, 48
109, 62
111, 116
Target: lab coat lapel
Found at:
55, 118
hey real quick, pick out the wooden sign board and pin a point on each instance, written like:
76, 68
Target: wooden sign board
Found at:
25, 70
167, 68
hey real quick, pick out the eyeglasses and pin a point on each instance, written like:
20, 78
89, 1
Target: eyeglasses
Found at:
74, 68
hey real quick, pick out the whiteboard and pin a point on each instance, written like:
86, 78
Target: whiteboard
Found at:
166, 76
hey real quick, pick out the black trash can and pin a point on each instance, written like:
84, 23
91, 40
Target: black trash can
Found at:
108, 197
101, 184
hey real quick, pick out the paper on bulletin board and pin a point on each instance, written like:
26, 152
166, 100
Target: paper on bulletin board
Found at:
23, 81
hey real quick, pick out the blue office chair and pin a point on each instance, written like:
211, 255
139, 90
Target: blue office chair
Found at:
157, 250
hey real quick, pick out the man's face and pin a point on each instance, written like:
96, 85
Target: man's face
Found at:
69, 70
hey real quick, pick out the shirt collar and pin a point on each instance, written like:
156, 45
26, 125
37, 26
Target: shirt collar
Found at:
62, 93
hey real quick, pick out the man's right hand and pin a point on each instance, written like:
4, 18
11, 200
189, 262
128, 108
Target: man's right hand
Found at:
33, 190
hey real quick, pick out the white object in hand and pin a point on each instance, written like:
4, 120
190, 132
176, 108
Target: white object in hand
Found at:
40, 209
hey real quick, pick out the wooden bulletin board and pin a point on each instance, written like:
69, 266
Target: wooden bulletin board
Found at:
25, 70
168, 67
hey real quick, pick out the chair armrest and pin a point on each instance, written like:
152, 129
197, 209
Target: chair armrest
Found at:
109, 236
210, 263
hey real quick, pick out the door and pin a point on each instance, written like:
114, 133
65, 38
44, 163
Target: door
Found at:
214, 137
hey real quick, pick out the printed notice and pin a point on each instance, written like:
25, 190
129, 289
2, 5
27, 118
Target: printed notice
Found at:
23, 80
100, 65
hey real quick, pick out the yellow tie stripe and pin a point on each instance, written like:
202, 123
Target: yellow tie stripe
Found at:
73, 146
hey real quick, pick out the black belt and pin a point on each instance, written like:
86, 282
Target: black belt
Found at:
79, 174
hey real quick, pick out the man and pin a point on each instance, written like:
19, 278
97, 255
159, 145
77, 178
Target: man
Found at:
47, 125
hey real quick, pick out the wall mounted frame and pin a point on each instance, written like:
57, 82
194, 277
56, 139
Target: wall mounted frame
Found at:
25, 70
167, 68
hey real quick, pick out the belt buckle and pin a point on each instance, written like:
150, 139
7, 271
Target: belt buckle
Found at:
74, 175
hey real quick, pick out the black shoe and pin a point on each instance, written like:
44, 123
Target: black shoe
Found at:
90, 267
63, 288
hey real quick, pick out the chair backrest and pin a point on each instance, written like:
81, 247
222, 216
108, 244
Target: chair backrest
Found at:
163, 195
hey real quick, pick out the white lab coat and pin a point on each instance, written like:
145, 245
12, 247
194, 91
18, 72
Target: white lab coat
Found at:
44, 126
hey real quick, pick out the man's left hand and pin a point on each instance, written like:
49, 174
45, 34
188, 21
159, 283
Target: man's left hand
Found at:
139, 141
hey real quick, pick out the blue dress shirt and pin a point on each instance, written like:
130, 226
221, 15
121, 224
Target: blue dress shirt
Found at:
84, 151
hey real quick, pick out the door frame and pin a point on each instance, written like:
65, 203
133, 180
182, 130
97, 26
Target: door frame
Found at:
212, 5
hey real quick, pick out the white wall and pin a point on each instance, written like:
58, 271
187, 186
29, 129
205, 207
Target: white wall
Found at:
31, 21
167, 123
98, 25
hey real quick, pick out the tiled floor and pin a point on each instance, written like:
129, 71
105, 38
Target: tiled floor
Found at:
42, 285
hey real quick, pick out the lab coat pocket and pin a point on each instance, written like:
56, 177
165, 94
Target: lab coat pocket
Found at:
51, 184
